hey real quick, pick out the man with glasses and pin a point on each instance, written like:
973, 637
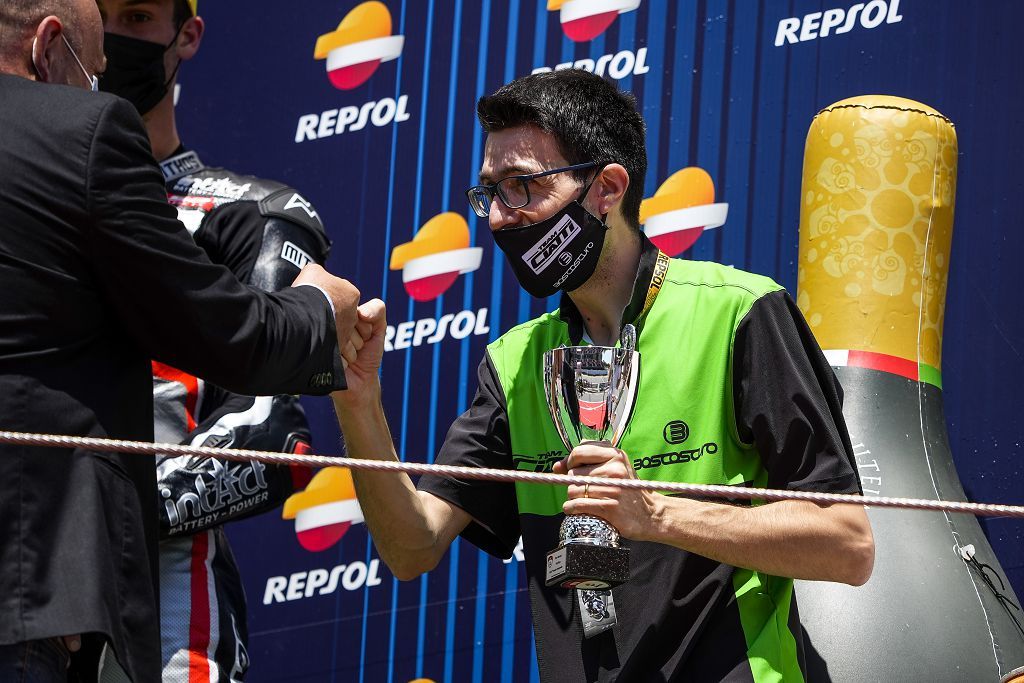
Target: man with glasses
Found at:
264, 232
99, 277
726, 357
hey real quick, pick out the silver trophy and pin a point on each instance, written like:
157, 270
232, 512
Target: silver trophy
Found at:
590, 392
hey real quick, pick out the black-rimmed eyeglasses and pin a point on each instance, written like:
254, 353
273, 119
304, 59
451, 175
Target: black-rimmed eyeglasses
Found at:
513, 191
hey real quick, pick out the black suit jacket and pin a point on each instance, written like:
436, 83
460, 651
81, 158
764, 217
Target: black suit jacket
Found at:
96, 278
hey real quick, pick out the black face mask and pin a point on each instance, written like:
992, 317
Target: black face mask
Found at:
135, 70
557, 253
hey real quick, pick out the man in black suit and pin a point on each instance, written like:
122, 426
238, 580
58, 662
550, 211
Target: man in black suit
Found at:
98, 277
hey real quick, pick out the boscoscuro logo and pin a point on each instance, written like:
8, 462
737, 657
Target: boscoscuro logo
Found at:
676, 432
575, 264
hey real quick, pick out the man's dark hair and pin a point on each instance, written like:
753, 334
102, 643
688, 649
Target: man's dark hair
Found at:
182, 12
589, 118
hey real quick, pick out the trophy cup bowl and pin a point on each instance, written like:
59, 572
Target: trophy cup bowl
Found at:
590, 393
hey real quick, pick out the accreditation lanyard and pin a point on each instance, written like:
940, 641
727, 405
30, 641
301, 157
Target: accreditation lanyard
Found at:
654, 288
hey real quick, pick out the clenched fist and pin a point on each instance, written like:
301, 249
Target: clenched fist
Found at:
344, 297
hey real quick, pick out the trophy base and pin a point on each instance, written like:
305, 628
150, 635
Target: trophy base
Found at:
595, 567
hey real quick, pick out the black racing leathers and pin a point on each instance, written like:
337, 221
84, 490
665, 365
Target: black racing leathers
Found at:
264, 232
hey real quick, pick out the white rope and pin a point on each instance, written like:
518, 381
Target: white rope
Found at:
457, 472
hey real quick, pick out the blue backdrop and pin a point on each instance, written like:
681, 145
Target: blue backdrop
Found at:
729, 86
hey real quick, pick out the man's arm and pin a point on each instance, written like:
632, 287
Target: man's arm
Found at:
797, 539
184, 310
254, 240
411, 529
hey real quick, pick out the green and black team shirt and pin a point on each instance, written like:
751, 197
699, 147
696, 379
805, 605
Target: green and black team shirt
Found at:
733, 390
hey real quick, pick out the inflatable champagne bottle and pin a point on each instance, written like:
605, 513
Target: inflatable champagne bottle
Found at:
876, 225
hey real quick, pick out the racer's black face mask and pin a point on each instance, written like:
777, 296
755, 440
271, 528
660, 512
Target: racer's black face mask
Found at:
558, 253
135, 70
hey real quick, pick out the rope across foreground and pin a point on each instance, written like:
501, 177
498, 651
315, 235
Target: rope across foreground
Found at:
457, 472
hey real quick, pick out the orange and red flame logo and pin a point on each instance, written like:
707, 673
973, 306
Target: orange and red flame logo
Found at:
357, 47
584, 20
681, 210
436, 256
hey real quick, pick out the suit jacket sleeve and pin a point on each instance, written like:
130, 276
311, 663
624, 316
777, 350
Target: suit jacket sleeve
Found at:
186, 311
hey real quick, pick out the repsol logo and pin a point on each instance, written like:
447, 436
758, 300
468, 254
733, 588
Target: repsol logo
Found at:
660, 270
575, 265
300, 585
675, 457
834, 21
616, 65
379, 113
551, 245
430, 330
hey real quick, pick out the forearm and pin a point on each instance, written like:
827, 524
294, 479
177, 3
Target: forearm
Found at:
797, 539
403, 522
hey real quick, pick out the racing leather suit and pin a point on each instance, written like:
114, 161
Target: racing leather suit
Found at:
264, 232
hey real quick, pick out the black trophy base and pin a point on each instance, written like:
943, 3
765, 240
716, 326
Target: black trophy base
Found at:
593, 567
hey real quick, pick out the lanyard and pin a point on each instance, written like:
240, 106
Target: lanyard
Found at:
657, 280
661, 265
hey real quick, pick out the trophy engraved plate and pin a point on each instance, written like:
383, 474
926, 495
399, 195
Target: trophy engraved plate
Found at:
590, 393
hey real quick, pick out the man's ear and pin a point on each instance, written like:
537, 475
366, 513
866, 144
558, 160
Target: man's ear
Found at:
189, 38
45, 42
610, 186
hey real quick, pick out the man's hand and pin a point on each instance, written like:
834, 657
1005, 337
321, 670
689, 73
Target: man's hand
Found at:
631, 512
345, 298
411, 529
366, 344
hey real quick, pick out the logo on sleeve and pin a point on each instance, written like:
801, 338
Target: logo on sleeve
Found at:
294, 255
296, 201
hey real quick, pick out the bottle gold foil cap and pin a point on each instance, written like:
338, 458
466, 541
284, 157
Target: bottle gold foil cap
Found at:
876, 224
